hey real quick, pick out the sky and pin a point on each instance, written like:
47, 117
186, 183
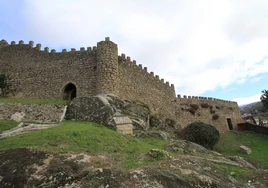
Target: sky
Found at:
211, 48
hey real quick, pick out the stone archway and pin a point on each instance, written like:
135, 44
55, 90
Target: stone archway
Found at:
69, 92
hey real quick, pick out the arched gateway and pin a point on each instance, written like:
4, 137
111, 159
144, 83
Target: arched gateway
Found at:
69, 92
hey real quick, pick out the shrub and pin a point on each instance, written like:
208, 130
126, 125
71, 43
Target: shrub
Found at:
212, 111
194, 106
215, 117
159, 154
191, 110
201, 133
204, 105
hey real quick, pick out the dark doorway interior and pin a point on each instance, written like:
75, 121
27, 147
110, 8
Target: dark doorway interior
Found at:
69, 92
230, 125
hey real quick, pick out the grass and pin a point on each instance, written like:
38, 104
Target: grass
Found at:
236, 172
7, 124
229, 145
73, 136
32, 101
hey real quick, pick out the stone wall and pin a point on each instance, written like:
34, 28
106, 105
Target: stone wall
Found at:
36, 73
207, 110
39, 113
43, 74
136, 84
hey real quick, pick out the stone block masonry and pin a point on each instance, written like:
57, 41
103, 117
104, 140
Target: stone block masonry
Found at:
36, 73
38, 113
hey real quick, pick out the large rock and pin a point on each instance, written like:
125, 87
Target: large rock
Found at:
245, 149
186, 147
107, 110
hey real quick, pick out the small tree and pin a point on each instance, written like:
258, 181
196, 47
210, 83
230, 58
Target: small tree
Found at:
264, 98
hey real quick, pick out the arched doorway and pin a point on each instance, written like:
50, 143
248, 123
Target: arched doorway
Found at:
69, 92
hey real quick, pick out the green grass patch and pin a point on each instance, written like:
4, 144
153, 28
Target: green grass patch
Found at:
73, 136
32, 101
236, 172
7, 124
229, 145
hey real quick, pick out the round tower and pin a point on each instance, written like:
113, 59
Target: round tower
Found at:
107, 67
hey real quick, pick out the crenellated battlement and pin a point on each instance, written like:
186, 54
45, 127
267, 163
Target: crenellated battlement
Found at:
126, 60
200, 98
38, 47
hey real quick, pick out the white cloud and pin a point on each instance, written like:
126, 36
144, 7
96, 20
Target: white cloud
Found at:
196, 45
247, 100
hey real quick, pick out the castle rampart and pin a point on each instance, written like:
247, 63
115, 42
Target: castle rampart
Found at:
208, 110
137, 84
42, 73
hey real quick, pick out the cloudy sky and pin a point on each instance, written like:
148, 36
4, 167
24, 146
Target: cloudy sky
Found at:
213, 48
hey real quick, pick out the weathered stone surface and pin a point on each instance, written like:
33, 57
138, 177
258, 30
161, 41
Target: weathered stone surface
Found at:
186, 147
126, 129
151, 133
81, 170
24, 128
39, 113
122, 120
245, 149
18, 116
96, 109
108, 110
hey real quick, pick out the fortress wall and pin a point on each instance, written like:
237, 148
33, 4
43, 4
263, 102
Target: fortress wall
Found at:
136, 84
37, 73
38, 113
191, 109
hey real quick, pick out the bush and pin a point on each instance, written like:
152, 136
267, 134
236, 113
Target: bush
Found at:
194, 106
201, 133
205, 105
212, 111
215, 117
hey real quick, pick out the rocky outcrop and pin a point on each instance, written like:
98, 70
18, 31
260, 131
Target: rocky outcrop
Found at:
29, 168
245, 149
120, 114
25, 128
108, 110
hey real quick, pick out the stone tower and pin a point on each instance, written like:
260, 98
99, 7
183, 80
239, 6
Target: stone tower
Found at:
107, 67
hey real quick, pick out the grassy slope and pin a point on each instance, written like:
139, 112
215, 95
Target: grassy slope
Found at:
31, 101
73, 136
229, 145
7, 124
76, 136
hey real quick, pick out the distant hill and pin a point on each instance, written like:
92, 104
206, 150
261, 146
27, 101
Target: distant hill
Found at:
252, 107
247, 105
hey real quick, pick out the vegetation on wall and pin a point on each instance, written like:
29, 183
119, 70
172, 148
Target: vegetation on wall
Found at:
205, 105
215, 116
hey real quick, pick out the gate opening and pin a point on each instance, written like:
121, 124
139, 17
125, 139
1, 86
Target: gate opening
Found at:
230, 124
69, 92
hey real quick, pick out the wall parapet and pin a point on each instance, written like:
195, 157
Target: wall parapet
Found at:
185, 97
4, 43
126, 60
